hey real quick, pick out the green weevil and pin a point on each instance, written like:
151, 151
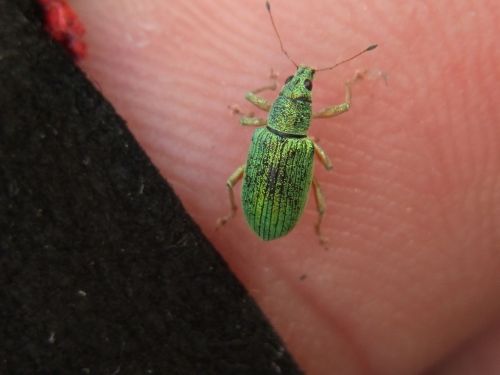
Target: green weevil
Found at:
278, 173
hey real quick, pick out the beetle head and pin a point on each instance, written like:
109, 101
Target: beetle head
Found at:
299, 86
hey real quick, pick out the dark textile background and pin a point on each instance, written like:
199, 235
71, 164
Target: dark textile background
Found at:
101, 270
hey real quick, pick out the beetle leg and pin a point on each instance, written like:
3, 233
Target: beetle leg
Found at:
259, 101
322, 156
320, 207
336, 110
253, 121
235, 177
248, 119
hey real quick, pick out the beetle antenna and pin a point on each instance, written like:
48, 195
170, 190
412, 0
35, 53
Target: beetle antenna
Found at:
372, 47
268, 7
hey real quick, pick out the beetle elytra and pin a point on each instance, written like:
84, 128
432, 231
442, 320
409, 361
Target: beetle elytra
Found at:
278, 173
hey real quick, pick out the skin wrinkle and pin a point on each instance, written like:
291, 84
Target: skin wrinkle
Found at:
341, 327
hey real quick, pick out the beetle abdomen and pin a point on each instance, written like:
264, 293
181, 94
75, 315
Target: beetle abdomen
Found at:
277, 179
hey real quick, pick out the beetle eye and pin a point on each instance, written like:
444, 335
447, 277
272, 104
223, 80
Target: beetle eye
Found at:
308, 84
288, 79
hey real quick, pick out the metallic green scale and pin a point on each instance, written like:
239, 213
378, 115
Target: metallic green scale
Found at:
277, 179
278, 172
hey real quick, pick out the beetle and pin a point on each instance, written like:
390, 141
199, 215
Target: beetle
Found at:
278, 173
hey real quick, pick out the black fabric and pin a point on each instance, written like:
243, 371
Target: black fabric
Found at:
101, 270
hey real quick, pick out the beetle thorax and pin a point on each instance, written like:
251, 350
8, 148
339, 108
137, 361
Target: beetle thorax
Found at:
291, 111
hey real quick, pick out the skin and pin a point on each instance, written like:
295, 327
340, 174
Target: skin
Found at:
411, 280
